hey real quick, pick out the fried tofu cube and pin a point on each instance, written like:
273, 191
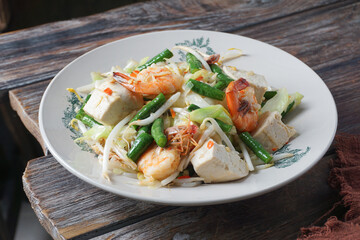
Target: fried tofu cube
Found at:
111, 102
271, 132
215, 163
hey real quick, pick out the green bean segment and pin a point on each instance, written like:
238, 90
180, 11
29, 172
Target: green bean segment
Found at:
141, 143
157, 131
194, 64
158, 58
85, 118
255, 146
224, 79
206, 90
145, 129
149, 108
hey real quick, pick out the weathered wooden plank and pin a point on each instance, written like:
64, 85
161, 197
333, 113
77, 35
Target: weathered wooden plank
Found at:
26, 101
67, 206
37, 54
290, 205
341, 74
276, 215
86, 209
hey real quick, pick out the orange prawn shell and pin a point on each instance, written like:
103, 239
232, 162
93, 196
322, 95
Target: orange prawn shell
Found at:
242, 104
154, 80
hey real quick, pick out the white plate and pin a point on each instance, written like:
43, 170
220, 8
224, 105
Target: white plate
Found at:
315, 119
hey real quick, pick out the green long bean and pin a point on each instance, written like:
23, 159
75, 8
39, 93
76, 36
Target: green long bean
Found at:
255, 146
158, 58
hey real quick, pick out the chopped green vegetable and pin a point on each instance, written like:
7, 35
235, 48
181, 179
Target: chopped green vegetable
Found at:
269, 94
289, 107
151, 107
85, 118
206, 90
96, 76
192, 107
225, 127
157, 131
96, 132
145, 129
141, 143
224, 79
278, 103
158, 58
255, 146
194, 64
213, 111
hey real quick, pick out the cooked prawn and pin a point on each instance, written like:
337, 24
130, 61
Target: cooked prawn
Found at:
159, 163
242, 104
151, 81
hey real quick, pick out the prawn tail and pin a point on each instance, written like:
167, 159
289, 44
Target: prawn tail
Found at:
124, 80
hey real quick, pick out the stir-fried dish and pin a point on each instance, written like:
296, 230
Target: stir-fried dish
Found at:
183, 123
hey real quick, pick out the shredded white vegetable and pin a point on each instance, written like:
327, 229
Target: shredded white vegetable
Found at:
81, 126
196, 99
109, 144
264, 166
159, 112
280, 156
86, 89
172, 66
219, 131
189, 180
130, 66
227, 72
196, 54
231, 54
169, 179
245, 152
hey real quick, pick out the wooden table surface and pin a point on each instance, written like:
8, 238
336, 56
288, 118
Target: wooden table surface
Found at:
323, 34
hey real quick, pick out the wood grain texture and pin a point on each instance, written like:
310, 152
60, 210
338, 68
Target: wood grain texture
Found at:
37, 54
276, 215
26, 101
325, 37
68, 207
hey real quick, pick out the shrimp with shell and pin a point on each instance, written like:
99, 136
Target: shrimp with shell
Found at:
242, 104
151, 81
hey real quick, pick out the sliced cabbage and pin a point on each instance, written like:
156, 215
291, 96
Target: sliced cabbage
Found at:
96, 76
278, 103
130, 66
143, 61
297, 97
96, 133
214, 111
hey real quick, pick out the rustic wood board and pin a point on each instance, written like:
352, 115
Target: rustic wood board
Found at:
276, 215
26, 101
37, 54
67, 206
329, 31
70, 208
